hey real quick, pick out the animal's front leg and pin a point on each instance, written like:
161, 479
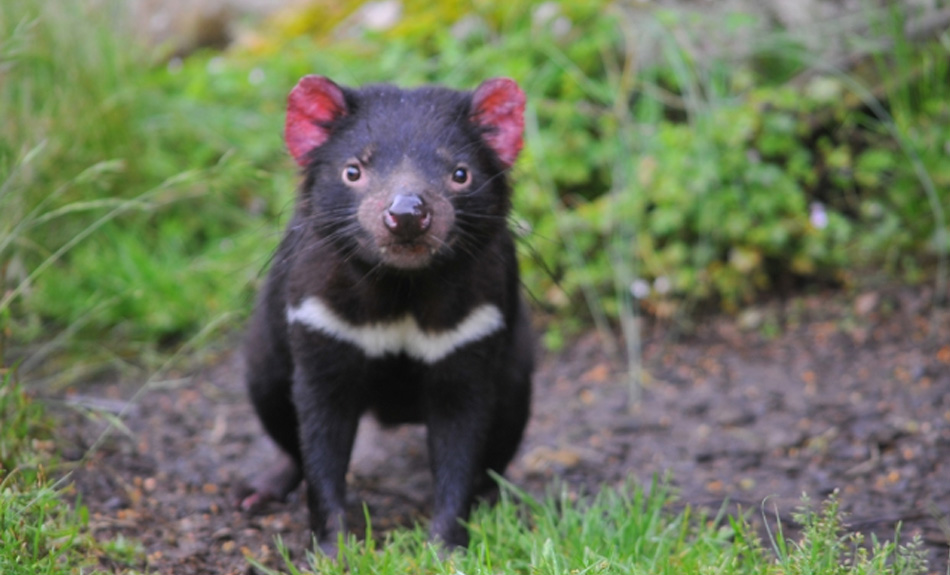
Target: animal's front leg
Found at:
457, 421
329, 416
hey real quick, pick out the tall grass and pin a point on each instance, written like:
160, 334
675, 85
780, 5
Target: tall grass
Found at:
67, 112
915, 81
124, 208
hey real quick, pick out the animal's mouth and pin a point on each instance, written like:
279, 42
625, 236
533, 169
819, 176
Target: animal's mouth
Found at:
407, 255
407, 248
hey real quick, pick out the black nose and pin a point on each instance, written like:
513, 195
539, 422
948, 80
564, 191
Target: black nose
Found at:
407, 217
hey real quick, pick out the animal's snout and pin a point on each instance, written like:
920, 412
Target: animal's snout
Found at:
407, 217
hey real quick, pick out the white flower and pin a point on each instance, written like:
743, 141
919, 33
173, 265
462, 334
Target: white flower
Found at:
818, 216
640, 288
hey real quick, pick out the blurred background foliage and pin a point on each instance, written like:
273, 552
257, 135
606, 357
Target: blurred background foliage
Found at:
142, 190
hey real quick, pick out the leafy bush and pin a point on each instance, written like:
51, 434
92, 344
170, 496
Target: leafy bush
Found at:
697, 180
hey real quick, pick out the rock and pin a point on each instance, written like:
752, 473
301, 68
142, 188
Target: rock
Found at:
866, 303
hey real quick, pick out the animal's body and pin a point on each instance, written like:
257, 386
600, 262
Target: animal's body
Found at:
395, 290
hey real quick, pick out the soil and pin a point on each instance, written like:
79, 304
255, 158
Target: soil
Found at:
814, 394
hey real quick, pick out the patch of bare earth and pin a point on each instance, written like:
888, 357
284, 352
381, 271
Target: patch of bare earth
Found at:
852, 395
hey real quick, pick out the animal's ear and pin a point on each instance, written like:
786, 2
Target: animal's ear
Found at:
313, 103
498, 106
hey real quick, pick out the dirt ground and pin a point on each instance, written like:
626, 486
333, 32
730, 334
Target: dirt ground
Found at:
816, 394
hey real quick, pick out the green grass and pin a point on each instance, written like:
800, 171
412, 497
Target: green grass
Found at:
621, 530
40, 531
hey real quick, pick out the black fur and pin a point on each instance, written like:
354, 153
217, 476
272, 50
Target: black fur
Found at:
310, 389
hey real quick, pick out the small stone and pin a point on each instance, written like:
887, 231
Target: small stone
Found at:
866, 303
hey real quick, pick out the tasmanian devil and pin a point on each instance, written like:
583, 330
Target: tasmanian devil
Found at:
395, 290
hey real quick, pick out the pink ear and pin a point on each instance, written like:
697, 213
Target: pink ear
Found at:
498, 104
313, 102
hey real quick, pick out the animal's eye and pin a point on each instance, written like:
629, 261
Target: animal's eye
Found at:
460, 175
352, 173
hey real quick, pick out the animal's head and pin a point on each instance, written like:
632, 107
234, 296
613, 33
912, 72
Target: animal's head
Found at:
402, 177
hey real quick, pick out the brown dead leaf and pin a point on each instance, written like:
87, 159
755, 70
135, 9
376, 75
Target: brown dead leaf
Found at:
543, 458
714, 486
596, 374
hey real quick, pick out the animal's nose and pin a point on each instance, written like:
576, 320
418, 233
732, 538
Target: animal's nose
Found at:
408, 216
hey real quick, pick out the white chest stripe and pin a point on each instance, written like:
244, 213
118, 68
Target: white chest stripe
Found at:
402, 335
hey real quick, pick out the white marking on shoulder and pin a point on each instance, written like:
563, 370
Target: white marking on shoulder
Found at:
401, 335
